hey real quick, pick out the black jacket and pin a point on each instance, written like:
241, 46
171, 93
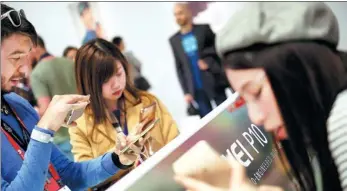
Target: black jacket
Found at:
213, 78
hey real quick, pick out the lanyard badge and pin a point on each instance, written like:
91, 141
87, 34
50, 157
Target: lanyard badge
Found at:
65, 188
52, 185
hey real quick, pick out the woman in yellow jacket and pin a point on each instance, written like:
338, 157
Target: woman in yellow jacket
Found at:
101, 72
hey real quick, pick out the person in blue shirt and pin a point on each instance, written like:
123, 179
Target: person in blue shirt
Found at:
93, 29
198, 66
29, 160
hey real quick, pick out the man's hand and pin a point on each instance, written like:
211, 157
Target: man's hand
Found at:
202, 65
58, 108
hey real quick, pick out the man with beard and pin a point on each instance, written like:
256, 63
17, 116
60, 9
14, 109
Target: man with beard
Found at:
198, 66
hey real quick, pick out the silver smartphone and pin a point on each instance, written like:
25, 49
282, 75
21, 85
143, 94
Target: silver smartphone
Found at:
74, 115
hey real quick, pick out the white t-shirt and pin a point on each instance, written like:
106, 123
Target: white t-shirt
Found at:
337, 136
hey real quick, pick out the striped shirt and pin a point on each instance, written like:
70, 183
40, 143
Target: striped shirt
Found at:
337, 136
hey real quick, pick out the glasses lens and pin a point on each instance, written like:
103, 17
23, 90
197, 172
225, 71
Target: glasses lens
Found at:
22, 13
14, 15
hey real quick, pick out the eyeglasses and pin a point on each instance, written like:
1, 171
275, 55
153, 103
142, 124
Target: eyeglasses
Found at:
14, 17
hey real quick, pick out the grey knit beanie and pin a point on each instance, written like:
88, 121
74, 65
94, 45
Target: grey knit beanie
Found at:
276, 22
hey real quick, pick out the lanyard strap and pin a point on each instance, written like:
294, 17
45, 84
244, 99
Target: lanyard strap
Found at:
22, 142
119, 116
21, 153
26, 135
15, 140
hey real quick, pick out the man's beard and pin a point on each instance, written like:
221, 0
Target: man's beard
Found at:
3, 84
3, 89
3, 92
6, 85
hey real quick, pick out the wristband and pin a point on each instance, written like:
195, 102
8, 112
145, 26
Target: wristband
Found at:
41, 137
115, 159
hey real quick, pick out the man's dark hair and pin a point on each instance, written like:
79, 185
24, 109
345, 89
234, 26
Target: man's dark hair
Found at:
40, 42
68, 49
117, 40
7, 29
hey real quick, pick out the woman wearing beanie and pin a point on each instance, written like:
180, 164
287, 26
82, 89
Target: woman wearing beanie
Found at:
281, 58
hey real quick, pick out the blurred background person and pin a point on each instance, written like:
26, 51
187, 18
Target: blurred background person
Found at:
40, 53
93, 29
198, 66
135, 64
294, 83
52, 76
70, 53
115, 108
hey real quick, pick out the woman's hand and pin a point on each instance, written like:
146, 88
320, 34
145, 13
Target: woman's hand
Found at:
135, 149
129, 157
58, 108
238, 182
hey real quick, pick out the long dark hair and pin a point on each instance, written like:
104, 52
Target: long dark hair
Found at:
95, 64
306, 78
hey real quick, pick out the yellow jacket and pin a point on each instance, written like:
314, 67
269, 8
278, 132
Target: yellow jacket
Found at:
88, 144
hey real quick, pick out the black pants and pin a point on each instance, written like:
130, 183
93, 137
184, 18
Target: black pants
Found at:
220, 96
204, 102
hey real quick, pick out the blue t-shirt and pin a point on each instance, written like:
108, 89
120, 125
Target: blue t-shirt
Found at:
190, 46
90, 35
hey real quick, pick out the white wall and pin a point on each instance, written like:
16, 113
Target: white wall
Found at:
52, 21
146, 27
340, 10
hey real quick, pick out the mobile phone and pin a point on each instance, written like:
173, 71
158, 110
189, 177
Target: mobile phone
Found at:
202, 162
148, 113
74, 115
142, 134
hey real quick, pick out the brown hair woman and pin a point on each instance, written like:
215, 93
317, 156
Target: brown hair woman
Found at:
102, 72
